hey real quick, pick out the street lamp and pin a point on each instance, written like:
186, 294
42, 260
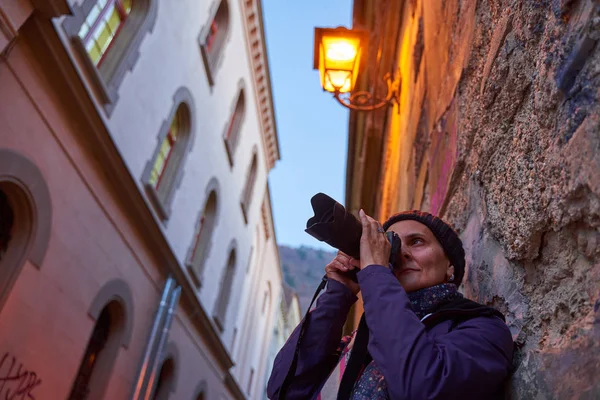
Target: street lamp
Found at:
337, 56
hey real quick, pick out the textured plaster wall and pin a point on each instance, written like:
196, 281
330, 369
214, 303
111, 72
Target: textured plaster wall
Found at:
506, 146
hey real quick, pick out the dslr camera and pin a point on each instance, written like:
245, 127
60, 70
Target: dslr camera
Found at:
338, 228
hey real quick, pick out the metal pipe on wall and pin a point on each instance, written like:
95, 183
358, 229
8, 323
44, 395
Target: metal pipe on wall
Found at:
162, 341
142, 379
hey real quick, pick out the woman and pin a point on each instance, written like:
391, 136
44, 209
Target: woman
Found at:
424, 340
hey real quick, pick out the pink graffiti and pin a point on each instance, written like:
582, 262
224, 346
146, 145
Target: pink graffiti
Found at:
444, 149
442, 185
16, 383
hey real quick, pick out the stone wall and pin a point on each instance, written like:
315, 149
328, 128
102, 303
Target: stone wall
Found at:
499, 132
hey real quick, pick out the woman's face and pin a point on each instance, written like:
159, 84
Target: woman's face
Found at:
422, 262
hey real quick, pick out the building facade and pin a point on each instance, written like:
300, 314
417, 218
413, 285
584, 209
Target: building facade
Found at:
496, 131
137, 248
287, 319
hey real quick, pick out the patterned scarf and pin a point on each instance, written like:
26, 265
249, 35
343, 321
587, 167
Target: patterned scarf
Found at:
371, 384
425, 300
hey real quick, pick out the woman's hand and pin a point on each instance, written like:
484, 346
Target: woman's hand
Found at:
337, 270
374, 246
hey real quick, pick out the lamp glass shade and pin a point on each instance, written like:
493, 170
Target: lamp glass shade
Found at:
339, 53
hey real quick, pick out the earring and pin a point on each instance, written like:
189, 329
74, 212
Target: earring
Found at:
451, 278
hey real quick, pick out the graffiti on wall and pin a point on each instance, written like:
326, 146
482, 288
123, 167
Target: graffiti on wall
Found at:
442, 158
16, 382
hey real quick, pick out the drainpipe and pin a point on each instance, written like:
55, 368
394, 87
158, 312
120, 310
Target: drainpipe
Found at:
150, 345
162, 341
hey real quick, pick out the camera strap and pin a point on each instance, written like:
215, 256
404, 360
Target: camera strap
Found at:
292, 371
359, 359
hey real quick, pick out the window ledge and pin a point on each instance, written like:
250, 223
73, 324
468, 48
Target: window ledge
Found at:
244, 212
230, 152
162, 211
220, 324
196, 278
207, 65
108, 97
211, 66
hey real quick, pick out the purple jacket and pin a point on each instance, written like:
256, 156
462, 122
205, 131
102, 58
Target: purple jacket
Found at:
467, 360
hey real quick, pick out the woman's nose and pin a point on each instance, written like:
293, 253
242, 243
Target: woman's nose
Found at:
404, 256
405, 253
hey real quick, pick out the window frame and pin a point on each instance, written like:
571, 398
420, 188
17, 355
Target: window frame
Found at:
223, 300
28, 196
194, 264
161, 197
231, 142
249, 186
107, 78
212, 63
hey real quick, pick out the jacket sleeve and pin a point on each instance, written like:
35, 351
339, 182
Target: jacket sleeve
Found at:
469, 362
318, 352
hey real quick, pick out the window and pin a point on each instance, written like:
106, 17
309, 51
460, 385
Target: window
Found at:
25, 218
249, 187
92, 357
165, 152
225, 290
264, 304
250, 379
201, 391
265, 218
164, 171
234, 126
112, 309
102, 26
201, 242
165, 380
100, 353
7, 217
212, 40
108, 33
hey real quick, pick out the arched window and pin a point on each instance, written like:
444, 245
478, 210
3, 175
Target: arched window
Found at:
101, 352
234, 126
7, 219
266, 305
249, 187
212, 39
166, 377
109, 33
225, 290
166, 150
163, 173
205, 227
25, 218
250, 379
201, 391
102, 25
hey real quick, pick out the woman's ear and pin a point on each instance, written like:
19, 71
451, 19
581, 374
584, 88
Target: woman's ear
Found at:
450, 273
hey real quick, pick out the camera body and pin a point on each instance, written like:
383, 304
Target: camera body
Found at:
337, 227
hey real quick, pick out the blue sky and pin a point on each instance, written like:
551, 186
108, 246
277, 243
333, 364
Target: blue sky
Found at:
312, 126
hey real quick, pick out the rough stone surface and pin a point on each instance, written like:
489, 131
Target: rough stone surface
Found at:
531, 179
524, 187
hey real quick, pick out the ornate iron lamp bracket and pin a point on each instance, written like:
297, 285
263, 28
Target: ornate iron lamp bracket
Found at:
365, 101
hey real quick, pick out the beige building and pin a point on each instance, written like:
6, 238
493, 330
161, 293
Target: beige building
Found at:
287, 318
137, 250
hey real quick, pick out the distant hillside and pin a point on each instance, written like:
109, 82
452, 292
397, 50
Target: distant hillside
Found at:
303, 269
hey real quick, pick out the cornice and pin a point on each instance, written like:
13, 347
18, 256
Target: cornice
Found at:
257, 51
